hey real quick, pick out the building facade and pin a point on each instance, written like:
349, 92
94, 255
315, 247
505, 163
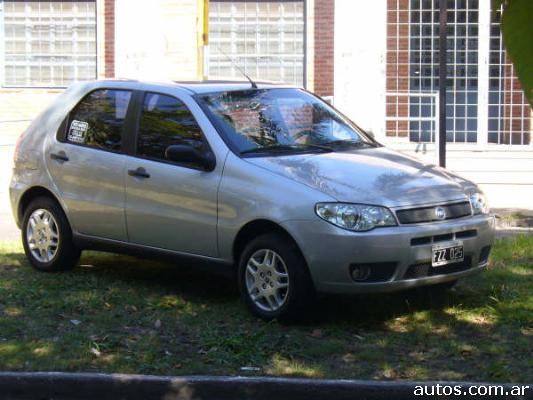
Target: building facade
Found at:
377, 61
395, 93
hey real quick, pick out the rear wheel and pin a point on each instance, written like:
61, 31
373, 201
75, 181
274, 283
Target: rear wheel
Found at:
273, 278
47, 236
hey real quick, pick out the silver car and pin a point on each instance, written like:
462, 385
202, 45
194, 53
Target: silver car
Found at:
270, 179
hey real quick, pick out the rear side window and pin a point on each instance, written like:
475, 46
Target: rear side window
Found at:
98, 120
166, 121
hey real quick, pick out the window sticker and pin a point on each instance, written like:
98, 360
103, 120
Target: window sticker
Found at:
76, 133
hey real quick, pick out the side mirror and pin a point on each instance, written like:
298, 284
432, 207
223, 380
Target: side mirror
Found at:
371, 134
188, 154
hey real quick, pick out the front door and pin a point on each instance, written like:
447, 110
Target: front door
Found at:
169, 205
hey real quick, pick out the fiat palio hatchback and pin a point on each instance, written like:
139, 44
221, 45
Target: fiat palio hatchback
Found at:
270, 179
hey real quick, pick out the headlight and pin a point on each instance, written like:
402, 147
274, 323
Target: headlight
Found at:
355, 217
479, 203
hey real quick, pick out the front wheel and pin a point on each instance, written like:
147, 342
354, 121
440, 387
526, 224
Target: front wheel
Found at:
273, 278
47, 236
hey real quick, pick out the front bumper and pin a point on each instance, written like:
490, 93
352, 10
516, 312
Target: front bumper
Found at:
405, 251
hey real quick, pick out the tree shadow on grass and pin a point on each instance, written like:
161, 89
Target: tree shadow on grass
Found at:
211, 282
472, 332
195, 280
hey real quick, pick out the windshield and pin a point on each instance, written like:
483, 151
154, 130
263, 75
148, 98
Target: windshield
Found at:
281, 120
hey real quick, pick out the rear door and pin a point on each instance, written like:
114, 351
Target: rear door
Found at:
169, 205
87, 163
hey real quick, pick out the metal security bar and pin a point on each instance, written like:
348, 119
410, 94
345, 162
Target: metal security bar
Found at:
424, 123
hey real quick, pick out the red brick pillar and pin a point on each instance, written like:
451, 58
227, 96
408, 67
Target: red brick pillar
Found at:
109, 29
324, 47
397, 67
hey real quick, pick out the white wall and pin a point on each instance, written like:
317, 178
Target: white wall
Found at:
504, 173
156, 40
360, 62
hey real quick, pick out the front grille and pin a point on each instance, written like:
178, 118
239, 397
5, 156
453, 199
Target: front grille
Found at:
429, 214
424, 240
425, 269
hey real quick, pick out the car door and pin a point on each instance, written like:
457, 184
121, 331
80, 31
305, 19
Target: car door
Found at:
170, 205
87, 163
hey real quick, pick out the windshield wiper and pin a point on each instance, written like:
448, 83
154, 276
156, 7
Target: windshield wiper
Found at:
286, 148
354, 143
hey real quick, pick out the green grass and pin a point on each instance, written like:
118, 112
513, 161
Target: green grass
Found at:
139, 316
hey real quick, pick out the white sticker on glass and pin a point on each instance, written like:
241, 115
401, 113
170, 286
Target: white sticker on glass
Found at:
77, 131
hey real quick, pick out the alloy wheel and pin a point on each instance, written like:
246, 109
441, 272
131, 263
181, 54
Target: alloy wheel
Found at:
42, 235
267, 280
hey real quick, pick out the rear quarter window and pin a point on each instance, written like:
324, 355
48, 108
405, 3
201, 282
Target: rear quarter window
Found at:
98, 119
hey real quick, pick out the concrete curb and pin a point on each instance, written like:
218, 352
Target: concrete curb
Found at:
62, 386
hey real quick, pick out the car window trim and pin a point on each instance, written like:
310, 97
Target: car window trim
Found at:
133, 115
347, 120
136, 120
61, 135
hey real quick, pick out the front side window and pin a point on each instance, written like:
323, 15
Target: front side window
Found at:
254, 120
166, 121
98, 120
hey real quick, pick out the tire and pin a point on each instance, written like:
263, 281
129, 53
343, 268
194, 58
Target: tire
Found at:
275, 302
48, 245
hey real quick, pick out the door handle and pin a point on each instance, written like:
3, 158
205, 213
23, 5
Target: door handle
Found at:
139, 173
61, 156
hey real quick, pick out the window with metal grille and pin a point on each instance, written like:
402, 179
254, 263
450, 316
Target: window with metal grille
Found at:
47, 43
508, 110
485, 102
263, 38
461, 75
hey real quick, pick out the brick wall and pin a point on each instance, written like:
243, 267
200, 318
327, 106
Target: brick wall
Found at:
516, 112
109, 35
324, 19
397, 67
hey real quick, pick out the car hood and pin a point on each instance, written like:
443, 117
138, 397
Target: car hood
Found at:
377, 176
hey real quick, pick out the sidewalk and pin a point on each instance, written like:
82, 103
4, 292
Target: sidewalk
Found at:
513, 221
60, 385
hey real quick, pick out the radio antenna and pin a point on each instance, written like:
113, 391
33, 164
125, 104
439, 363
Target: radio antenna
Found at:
254, 85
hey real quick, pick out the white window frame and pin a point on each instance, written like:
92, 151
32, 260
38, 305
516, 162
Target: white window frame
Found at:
2, 49
240, 61
74, 51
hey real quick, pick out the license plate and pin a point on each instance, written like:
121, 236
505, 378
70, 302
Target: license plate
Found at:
447, 253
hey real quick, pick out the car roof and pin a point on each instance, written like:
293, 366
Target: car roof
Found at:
199, 87
223, 86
